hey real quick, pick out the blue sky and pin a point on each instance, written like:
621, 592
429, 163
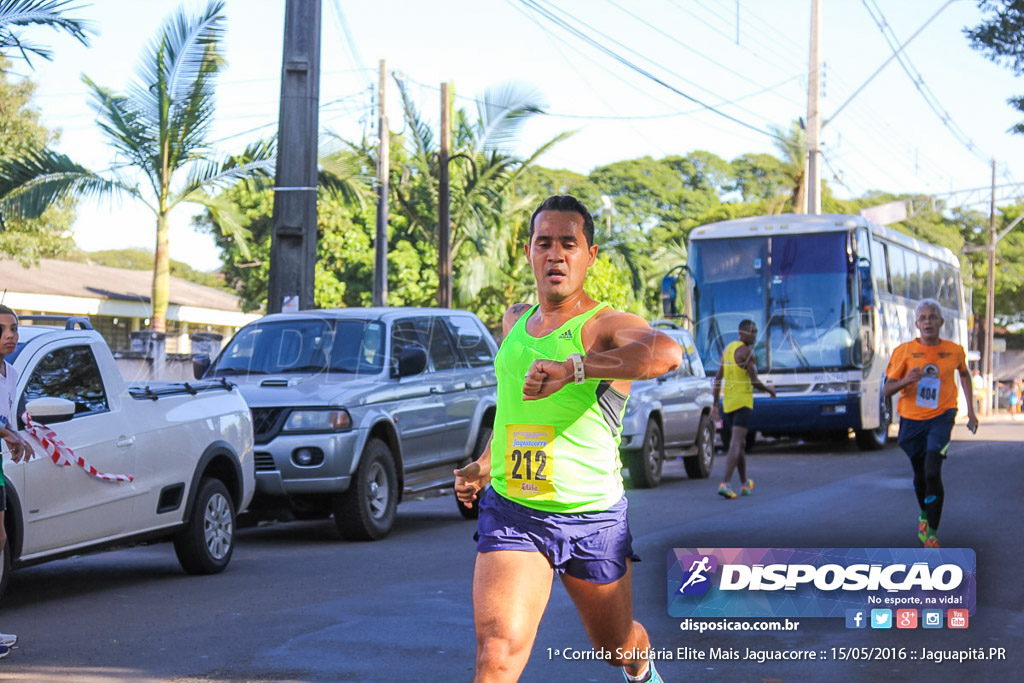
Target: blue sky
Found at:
749, 59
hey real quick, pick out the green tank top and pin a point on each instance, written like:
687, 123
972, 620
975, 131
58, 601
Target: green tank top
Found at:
560, 453
737, 391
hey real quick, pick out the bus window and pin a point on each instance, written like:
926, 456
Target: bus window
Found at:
880, 267
929, 275
913, 276
897, 269
947, 289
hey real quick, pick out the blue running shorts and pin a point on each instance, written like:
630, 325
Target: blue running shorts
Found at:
592, 546
920, 436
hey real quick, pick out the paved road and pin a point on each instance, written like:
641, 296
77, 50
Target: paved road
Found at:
297, 604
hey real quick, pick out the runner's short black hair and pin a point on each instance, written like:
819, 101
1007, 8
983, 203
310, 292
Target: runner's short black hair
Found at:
566, 202
747, 325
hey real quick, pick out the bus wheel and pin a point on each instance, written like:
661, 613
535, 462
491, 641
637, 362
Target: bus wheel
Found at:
874, 439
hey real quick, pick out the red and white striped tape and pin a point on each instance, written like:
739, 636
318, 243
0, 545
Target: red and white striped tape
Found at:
61, 454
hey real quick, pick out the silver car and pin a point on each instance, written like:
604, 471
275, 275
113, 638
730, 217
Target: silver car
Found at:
670, 416
355, 408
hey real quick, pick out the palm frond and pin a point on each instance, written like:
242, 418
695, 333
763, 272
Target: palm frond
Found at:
48, 13
257, 161
343, 172
126, 128
502, 113
228, 217
422, 135
32, 183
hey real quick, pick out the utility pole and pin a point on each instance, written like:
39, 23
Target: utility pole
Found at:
380, 266
444, 257
293, 243
990, 304
812, 177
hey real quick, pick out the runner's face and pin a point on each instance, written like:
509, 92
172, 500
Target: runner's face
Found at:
929, 322
748, 336
559, 254
8, 333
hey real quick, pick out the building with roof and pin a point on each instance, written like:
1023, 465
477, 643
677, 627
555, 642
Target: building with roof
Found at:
117, 301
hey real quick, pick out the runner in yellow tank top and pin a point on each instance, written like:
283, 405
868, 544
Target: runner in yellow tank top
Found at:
738, 372
556, 505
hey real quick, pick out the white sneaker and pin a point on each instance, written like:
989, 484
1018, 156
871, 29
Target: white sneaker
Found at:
4, 651
8, 639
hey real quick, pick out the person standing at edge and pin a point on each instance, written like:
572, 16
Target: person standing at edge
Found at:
924, 371
738, 374
555, 503
16, 445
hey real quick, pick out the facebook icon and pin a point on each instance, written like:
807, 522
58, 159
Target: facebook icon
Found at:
855, 618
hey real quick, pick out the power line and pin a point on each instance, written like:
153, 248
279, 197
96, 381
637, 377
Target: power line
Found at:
532, 4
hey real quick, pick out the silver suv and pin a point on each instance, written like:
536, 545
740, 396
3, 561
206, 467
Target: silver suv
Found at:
670, 416
354, 408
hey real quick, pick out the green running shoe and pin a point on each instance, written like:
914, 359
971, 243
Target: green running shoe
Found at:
652, 675
725, 492
747, 488
931, 542
922, 527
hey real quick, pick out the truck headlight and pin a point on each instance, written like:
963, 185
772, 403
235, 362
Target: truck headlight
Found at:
314, 420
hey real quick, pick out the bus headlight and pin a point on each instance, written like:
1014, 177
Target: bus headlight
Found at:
832, 387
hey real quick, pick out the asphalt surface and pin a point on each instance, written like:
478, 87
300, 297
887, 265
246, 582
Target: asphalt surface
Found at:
299, 604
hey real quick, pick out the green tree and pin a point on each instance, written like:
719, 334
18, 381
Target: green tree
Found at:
21, 133
159, 129
1000, 37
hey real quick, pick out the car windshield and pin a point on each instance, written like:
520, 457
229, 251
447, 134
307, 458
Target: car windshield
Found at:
304, 346
796, 289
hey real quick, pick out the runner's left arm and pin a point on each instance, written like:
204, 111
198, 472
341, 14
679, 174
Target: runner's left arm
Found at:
968, 386
629, 349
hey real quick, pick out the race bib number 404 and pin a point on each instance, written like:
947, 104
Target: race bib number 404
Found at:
928, 392
529, 465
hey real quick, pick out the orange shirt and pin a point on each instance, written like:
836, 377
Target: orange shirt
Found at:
935, 393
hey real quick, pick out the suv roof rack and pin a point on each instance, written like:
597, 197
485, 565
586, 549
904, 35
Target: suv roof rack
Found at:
70, 321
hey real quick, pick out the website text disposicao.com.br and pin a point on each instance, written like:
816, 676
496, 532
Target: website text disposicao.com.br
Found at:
707, 625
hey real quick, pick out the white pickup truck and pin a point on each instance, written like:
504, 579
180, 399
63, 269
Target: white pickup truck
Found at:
188, 448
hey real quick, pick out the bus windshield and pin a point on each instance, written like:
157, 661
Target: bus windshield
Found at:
798, 290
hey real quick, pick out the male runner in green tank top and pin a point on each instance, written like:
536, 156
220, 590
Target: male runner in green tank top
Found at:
556, 503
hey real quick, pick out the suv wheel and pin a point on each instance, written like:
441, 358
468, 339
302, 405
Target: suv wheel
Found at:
205, 545
366, 512
645, 465
481, 445
699, 466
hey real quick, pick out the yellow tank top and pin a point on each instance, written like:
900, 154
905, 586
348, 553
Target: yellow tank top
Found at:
737, 391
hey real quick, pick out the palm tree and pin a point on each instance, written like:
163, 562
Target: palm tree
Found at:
483, 173
15, 14
159, 130
792, 145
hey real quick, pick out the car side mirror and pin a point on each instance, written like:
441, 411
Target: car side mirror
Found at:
200, 364
50, 409
412, 360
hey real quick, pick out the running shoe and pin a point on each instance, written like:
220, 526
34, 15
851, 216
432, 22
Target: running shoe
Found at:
4, 651
8, 639
931, 542
922, 527
747, 488
651, 677
725, 492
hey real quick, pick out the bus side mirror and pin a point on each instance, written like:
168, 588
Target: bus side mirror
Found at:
867, 289
668, 295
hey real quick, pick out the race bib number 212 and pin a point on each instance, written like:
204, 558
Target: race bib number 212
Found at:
529, 464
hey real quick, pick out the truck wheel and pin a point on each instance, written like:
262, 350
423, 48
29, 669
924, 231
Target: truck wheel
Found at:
645, 465
481, 445
699, 466
366, 512
205, 545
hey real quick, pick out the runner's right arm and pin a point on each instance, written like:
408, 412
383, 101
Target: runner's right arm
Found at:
745, 359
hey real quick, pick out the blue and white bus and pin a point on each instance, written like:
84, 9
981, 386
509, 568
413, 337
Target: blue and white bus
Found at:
832, 296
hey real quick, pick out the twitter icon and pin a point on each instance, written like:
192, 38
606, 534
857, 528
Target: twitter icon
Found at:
881, 618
